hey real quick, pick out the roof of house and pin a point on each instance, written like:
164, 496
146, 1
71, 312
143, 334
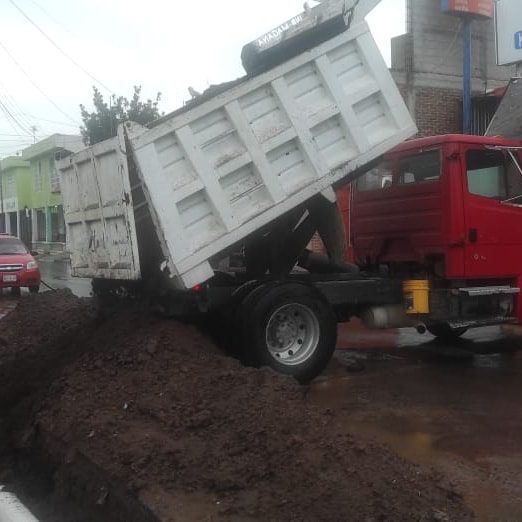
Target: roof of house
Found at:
12, 162
73, 143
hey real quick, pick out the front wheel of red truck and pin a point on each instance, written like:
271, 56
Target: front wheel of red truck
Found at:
289, 327
445, 332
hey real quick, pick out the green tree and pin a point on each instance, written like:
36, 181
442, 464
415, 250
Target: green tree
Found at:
103, 122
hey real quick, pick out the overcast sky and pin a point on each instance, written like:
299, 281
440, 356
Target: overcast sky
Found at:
163, 45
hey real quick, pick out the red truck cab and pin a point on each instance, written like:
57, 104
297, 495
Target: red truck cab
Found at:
447, 209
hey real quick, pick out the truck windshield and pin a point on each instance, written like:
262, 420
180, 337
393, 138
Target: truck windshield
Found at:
494, 174
11, 246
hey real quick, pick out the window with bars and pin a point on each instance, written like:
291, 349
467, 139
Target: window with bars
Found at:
10, 186
55, 178
37, 177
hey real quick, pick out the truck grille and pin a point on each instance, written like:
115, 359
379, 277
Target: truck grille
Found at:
11, 268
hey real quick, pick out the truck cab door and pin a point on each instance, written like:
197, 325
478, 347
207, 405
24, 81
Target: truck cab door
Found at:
492, 197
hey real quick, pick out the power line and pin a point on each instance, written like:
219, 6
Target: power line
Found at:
20, 135
53, 121
13, 118
9, 141
36, 86
46, 13
11, 124
15, 108
54, 44
11, 148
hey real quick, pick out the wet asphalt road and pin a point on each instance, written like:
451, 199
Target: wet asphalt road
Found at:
455, 407
56, 273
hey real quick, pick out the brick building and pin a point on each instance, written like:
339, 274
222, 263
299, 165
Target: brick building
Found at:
427, 65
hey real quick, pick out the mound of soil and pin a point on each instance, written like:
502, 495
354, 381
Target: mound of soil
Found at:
195, 436
37, 338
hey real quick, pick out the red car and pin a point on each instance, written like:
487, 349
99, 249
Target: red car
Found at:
18, 267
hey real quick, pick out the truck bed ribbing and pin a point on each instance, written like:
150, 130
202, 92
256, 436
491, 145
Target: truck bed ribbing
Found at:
228, 167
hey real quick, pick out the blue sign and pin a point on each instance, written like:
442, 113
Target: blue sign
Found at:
518, 40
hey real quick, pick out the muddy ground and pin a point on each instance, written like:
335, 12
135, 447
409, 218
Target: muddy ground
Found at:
452, 406
139, 418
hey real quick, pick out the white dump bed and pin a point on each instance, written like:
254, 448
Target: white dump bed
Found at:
222, 170
226, 168
101, 233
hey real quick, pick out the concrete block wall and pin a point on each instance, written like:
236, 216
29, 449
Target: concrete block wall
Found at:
436, 110
427, 65
437, 49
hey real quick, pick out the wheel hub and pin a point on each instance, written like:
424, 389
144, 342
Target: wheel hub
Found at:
292, 334
286, 331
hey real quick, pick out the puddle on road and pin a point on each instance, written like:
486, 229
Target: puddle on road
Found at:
57, 274
461, 418
410, 437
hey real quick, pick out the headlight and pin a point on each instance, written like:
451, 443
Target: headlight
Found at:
32, 265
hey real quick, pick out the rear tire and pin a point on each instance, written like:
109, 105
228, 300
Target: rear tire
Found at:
16, 291
445, 332
34, 289
289, 327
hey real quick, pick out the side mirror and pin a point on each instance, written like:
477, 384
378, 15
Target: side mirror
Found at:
34, 253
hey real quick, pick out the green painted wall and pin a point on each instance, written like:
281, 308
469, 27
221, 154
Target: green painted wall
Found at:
20, 169
41, 195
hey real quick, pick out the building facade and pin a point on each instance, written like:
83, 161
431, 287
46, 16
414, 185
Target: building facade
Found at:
15, 197
427, 64
43, 203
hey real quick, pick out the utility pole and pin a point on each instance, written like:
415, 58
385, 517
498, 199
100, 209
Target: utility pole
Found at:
2, 198
468, 61
468, 11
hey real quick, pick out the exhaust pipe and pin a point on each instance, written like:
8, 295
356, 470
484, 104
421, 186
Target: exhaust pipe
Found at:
393, 316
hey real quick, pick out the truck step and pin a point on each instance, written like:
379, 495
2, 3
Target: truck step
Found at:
475, 323
489, 290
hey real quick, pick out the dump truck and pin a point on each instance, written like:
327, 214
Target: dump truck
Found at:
209, 210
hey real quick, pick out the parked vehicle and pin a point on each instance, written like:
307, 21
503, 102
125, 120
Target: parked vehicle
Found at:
18, 267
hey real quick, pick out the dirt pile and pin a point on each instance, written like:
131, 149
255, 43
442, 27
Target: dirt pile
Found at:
197, 437
37, 339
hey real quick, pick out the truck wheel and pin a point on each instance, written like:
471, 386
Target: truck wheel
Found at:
34, 289
289, 327
445, 332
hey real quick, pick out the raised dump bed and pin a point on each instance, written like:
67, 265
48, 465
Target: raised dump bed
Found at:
216, 173
98, 209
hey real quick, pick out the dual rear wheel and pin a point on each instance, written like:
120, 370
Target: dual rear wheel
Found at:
289, 327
